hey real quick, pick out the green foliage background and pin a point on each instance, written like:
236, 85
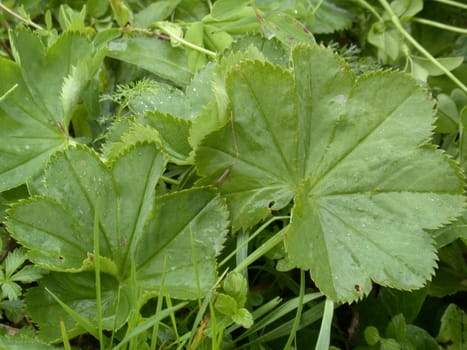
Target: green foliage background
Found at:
233, 174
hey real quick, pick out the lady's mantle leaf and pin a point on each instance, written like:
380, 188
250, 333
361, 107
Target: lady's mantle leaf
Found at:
57, 227
37, 94
353, 154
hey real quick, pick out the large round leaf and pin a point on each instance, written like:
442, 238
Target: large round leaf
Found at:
354, 154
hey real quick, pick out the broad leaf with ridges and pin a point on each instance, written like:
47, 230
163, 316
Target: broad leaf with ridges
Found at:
57, 226
36, 102
353, 153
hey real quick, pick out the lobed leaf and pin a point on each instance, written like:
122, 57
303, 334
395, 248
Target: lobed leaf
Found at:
57, 226
35, 119
364, 181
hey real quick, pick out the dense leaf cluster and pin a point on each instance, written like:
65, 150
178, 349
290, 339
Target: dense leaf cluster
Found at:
224, 174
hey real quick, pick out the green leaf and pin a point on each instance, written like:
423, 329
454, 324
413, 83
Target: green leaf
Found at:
372, 336
154, 55
156, 11
78, 292
396, 328
287, 29
386, 39
123, 15
450, 63
191, 226
327, 16
58, 227
28, 274
194, 35
453, 329
365, 182
224, 9
23, 342
243, 317
406, 8
236, 285
226, 304
35, 119
14, 260
174, 134
10, 290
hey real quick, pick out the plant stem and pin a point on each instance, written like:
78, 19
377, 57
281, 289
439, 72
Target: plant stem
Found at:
420, 48
298, 316
260, 251
187, 43
325, 330
97, 269
14, 14
170, 181
440, 25
452, 3
252, 236
370, 8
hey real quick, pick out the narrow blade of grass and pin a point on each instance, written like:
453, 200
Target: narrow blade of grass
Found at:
149, 323
325, 330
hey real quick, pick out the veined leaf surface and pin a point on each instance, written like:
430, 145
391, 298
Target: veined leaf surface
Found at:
354, 155
57, 226
36, 96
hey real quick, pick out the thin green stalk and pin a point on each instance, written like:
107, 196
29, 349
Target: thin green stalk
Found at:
324, 336
440, 25
298, 316
97, 270
168, 301
415, 43
194, 259
170, 181
242, 250
9, 91
261, 250
187, 43
202, 311
66, 341
252, 236
14, 14
370, 8
160, 299
452, 3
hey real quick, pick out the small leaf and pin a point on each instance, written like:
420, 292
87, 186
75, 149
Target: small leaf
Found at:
396, 328
154, 55
243, 317
10, 290
236, 286
156, 11
406, 8
123, 15
450, 63
224, 9
453, 328
287, 29
371, 335
28, 274
226, 304
14, 260
327, 16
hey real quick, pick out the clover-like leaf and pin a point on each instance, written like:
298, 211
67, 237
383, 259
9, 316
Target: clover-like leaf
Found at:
354, 155
134, 226
37, 94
